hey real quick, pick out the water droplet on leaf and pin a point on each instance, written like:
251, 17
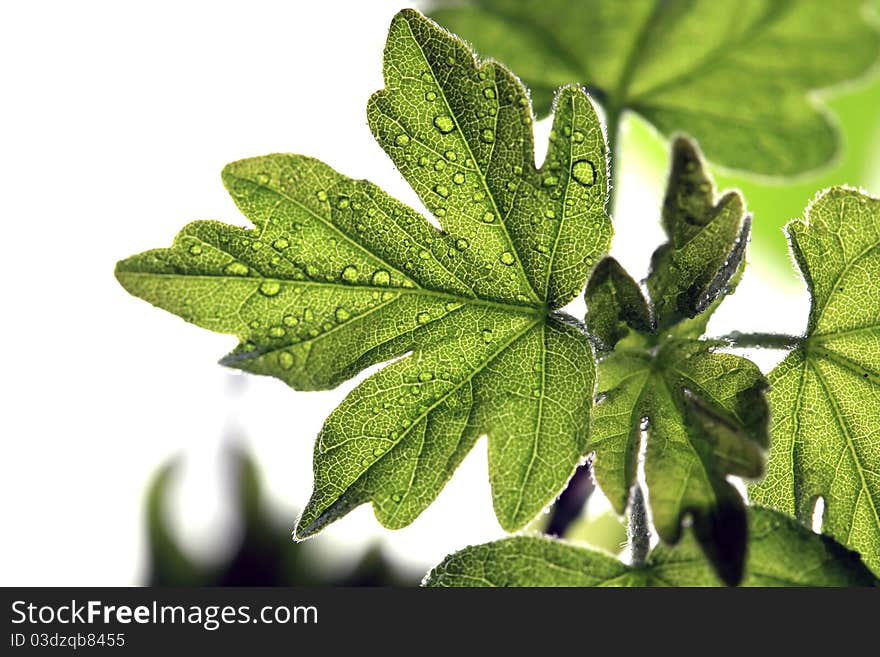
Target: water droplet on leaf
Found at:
286, 360
584, 172
350, 274
270, 288
444, 123
237, 269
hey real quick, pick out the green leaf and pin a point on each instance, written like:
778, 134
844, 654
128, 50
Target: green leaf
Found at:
825, 395
703, 413
337, 276
781, 553
704, 416
615, 304
706, 244
738, 76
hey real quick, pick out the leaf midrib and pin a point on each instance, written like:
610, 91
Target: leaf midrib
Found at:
480, 174
527, 310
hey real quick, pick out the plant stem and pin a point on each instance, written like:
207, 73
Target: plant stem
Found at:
638, 530
612, 128
762, 340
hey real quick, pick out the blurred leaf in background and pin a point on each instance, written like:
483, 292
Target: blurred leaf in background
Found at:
775, 203
742, 78
265, 556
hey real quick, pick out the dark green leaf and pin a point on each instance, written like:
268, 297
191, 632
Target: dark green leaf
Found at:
704, 417
706, 241
615, 304
703, 414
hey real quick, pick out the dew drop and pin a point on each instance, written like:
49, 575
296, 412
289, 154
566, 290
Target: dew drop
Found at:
507, 258
322, 195
451, 156
381, 277
195, 249
584, 172
489, 217
277, 332
308, 315
425, 376
487, 136
342, 315
262, 178
270, 288
423, 318
402, 139
458, 178
444, 123
550, 181
286, 360
461, 244
237, 269
441, 190
280, 244
378, 451
290, 320
489, 93
396, 497
550, 214
350, 274
577, 136
487, 335
343, 202
430, 96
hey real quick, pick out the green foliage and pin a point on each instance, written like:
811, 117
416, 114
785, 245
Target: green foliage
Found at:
337, 276
826, 393
735, 75
781, 553
704, 413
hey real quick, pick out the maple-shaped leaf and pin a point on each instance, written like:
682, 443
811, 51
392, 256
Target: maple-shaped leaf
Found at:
825, 395
337, 276
782, 552
703, 413
738, 76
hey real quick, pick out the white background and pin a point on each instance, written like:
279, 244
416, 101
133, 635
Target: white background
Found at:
116, 120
